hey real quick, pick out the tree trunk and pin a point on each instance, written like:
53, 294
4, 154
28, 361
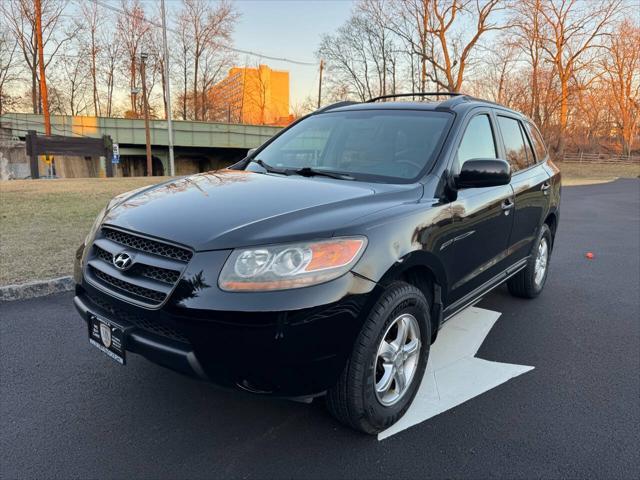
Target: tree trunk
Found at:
132, 81
196, 67
184, 90
564, 111
34, 86
93, 76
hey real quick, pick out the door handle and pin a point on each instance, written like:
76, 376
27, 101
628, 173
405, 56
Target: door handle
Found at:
545, 188
507, 205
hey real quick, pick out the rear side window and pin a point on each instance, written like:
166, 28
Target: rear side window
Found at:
531, 158
538, 143
514, 143
477, 141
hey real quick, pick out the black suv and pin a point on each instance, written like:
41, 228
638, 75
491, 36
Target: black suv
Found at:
326, 261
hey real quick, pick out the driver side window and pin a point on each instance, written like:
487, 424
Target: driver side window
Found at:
477, 142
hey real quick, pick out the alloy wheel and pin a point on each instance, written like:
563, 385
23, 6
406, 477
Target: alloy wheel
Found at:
397, 359
542, 261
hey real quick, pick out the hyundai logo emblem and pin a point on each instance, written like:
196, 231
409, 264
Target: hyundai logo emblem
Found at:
122, 261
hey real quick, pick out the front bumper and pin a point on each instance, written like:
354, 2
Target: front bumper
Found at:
172, 353
289, 353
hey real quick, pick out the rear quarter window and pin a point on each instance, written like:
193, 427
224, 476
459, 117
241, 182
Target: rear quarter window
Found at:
514, 143
538, 143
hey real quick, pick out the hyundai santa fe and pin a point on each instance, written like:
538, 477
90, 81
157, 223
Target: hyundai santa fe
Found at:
325, 262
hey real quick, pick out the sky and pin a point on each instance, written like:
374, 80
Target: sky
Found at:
290, 29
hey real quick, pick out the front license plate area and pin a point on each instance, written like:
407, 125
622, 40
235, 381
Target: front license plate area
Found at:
108, 338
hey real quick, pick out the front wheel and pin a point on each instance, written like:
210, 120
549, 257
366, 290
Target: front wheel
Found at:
529, 282
387, 364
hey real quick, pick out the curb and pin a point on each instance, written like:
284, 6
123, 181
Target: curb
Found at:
37, 288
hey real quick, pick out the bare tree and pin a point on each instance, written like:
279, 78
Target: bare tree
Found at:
409, 20
497, 81
72, 74
444, 34
91, 18
622, 77
203, 30
257, 91
528, 32
21, 21
109, 53
380, 42
360, 56
132, 28
8, 70
574, 29
182, 42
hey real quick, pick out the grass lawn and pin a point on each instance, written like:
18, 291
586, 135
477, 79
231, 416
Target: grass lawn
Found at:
42, 222
584, 173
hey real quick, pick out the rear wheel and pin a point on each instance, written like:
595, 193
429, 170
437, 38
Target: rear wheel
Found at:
387, 364
529, 282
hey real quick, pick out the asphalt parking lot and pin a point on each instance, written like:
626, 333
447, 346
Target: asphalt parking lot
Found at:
66, 410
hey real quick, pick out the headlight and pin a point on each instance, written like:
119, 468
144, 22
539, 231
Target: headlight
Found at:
293, 265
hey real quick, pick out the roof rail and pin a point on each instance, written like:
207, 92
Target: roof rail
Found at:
415, 94
334, 105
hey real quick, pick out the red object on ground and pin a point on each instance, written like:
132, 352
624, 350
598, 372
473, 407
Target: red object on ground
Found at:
589, 255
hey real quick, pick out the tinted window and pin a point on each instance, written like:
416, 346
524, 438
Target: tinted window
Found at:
370, 144
531, 158
477, 141
513, 143
538, 143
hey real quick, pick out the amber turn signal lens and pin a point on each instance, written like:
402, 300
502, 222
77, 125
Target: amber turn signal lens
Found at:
333, 254
290, 265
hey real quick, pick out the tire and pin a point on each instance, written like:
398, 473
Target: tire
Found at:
525, 283
354, 400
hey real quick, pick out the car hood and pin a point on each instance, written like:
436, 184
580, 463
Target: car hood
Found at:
236, 208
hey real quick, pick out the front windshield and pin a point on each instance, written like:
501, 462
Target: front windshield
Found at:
386, 145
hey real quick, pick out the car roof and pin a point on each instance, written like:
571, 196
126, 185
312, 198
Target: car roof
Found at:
455, 104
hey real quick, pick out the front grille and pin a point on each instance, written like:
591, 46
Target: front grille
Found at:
156, 266
128, 287
163, 328
103, 254
146, 245
161, 274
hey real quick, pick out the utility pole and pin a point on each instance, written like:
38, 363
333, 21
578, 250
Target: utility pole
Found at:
145, 107
172, 166
43, 81
320, 83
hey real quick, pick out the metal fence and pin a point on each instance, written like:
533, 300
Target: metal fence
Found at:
600, 158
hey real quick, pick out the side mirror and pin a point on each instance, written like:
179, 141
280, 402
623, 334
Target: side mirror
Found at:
484, 172
250, 152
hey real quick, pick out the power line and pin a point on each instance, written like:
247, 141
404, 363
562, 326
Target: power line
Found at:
226, 47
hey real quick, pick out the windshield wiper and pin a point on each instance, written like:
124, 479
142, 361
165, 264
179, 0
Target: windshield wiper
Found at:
269, 168
310, 172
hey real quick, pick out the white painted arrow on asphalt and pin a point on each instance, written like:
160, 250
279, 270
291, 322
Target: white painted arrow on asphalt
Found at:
453, 375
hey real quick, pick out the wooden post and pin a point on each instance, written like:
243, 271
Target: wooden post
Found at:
31, 140
108, 155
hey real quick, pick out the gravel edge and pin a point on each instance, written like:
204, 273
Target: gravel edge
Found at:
36, 288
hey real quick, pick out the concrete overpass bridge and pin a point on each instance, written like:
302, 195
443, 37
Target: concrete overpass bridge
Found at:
198, 146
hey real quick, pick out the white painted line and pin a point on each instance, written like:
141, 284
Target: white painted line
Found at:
453, 374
